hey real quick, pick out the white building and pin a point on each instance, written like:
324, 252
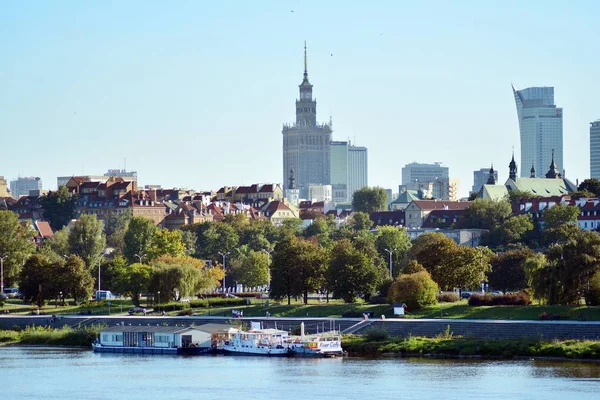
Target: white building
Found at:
595, 149
22, 186
320, 193
339, 171
541, 128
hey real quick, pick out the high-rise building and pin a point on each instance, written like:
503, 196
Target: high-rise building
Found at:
480, 178
357, 169
417, 172
22, 186
122, 173
595, 149
306, 143
339, 171
541, 128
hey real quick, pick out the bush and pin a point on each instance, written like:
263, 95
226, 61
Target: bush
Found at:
352, 314
376, 335
172, 306
416, 290
548, 316
447, 297
510, 299
184, 313
378, 300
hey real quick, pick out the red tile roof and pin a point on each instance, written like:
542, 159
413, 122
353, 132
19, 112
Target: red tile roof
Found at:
441, 204
44, 229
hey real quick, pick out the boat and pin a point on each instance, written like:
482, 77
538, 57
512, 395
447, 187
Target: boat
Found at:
153, 340
257, 341
325, 344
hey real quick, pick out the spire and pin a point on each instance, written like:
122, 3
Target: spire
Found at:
512, 168
553, 171
292, 180
532, 171
305, 65
492, 178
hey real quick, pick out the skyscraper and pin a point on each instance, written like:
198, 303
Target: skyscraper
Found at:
541, 128
480, 178
306, 144
595, 149
357, 169
339, 171
22, 186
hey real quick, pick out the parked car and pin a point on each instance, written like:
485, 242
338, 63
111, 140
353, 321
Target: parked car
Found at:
466, 295
12, 293
137, 310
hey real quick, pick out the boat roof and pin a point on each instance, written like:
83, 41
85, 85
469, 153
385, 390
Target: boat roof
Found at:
217, 328
148, 328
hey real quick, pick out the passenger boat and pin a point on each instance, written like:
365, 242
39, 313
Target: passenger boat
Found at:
326, 344
257, 341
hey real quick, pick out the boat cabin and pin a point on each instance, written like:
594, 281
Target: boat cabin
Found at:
155, 336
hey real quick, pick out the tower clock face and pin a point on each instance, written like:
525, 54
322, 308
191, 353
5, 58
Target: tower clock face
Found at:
306, 95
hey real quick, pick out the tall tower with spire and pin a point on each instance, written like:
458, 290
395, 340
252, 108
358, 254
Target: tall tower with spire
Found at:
512, 166
306, 143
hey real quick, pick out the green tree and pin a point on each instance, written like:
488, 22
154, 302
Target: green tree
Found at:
115, 228
59, 243
16, 244
138, 238
74, 279
516, 195
591, 185
283, 269
360, 221
189, 240
485, 214
397, 241
416, 290
508, 269
59, 207
165, 242
321, 229
559, 215
37, 280
514, 230
179, 277
351, 273
134, 280
87, 240
218, 238
251, 269
369, 200
110, 272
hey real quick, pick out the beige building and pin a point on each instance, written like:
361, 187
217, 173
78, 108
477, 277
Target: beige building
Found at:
417, 211
4, 188
278, 211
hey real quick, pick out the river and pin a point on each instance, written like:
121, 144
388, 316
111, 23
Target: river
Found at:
52, 373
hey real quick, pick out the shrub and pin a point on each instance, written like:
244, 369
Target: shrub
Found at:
548, 316
352, 314
172, 306
185, 312
509, 299
378, 300
416, 290
447, 297
376, 335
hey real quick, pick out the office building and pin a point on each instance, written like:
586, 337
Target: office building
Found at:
22, 186
595, 149
306, 143
339, 171
541, 129
418, 172
357, 169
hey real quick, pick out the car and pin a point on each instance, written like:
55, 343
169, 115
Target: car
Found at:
137, 310
229, 295
466, 295
12, 293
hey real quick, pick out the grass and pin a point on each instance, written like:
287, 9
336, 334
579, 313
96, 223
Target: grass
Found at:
38, 335
446, 345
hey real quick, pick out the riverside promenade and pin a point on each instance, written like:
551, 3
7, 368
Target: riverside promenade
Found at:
483, 329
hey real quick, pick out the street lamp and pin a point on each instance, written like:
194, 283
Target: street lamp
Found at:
2, 273
140, 256
99, 262
390, 252
158, 300
224, 255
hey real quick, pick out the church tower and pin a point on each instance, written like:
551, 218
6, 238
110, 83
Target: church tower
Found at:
306, 143
492, 178
512, 175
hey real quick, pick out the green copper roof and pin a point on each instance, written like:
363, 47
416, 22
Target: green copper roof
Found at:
543, 186
407, 197
493, 192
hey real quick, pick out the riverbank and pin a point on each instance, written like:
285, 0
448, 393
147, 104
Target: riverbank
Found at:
447, 346
38, 335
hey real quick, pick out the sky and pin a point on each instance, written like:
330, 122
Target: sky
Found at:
194, 93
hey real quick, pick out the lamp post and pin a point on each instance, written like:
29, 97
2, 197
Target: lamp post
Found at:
100, 261
158, 300
140, 256
2, 273
269, 265
62, 303
390, 252
224, 255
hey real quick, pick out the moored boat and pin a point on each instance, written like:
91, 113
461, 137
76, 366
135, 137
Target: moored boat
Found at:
257, 341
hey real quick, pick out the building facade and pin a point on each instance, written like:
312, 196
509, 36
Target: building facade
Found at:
306, 143
418, 172
3, 187
595, 149
541, 128
339, 171
480, 178
22, 186
357, 169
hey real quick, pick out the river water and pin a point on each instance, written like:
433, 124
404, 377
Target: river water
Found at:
51, 373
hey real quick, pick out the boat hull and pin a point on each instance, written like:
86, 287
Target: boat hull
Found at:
256, 352
152, 350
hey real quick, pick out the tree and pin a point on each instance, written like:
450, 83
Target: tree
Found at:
508, 270
369, 200
282, 269
251, 269
37, 280
138, 238
217, 238
59, 207
74, 279
396, 240
189, 239
87, 240
351, 273
178, 277
514, 230
16, 244
416, 290
134, 280
115, 228
59, 243
591, 185
360, 221
516, 195
485, 214
321, 229
165, 242
558, 215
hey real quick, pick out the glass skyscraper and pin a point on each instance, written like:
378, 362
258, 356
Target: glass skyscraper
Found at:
595, 149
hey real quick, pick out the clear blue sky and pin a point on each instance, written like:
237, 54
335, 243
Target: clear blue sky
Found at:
194, 94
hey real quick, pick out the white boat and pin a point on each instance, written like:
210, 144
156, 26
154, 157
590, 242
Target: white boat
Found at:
257, 341
327, 344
